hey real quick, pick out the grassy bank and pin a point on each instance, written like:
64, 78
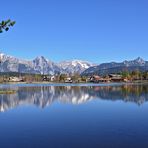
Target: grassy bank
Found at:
7, 91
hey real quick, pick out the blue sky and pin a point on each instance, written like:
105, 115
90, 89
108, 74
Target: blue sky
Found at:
93, 30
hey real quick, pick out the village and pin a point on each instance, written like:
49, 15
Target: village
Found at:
75, 78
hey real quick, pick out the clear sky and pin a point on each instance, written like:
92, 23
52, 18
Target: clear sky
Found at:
93, 30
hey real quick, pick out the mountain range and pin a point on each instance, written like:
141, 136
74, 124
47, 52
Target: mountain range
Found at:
41, 65
115, 67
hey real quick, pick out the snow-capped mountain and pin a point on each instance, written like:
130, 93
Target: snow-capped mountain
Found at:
12, 64
44, 66
75, 66
40, 65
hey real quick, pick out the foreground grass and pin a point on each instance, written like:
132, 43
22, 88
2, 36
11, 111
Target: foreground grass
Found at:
7, 91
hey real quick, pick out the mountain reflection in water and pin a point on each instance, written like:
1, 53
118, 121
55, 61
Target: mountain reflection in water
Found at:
45, 95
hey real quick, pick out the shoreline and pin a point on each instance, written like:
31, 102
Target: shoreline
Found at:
134, 82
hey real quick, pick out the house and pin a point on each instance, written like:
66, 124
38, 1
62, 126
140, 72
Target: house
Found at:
104, 80
16, 79
126, 80
52, 78
116, 77
46, 78
68, 80
98, 79
94, 78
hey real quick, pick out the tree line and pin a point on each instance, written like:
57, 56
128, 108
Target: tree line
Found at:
135, 75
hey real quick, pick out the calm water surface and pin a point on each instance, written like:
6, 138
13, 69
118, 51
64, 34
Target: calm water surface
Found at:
67, 116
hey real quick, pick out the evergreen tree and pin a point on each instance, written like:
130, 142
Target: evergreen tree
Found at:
5, 25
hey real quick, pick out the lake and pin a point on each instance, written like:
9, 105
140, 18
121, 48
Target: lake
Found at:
73, 116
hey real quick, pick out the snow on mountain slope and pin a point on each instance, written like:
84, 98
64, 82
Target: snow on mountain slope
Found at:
41, 65
75, 66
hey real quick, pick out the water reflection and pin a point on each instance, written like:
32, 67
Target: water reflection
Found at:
45, 95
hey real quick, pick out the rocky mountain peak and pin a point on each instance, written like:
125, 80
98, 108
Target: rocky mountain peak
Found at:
107, 68
75, 66
139, 60
41, 65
